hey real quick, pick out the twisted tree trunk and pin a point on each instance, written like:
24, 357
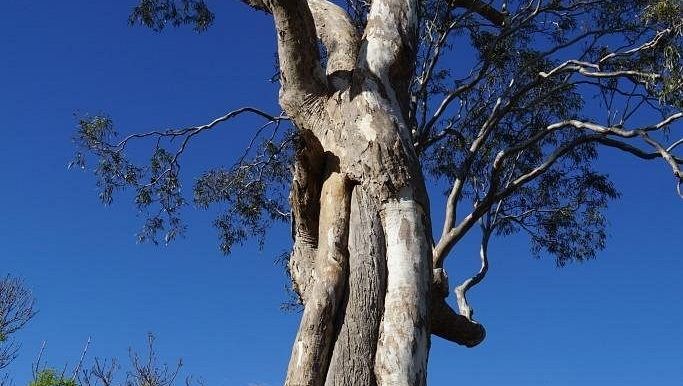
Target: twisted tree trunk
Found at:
362, 256
365, 278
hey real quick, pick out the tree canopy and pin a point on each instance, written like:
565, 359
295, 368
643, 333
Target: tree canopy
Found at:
513, 122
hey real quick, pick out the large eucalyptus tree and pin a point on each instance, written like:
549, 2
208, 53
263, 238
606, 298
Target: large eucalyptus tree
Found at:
488, 97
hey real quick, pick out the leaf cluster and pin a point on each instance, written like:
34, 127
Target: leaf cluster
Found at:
156, 14
563, 214
50, 377
157, 186
253, 191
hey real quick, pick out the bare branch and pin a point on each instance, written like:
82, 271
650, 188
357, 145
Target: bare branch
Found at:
147, 372
635, 150
440, 250
102, 373
194, 130
669, 158
449, 325
645, 46
674, 145
77, 369
601, 134
461, 290
452, 96
595, 72
35, 366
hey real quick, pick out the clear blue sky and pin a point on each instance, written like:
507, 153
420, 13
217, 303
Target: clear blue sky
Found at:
615, 320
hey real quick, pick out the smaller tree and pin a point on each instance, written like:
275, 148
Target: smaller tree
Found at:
50, 377
17, 307
145, 370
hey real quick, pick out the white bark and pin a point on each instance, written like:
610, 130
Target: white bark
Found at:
404, 337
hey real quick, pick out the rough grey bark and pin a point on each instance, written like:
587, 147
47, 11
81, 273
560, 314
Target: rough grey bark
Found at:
353, 355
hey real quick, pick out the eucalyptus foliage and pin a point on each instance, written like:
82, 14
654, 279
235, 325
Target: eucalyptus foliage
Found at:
520, 70
50, 377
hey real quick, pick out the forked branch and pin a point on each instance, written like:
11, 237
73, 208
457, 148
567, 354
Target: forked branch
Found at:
335, 30
588, 132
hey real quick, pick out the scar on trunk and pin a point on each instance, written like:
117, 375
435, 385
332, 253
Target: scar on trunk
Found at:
313, 346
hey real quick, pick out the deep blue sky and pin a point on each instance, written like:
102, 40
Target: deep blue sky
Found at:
615, 320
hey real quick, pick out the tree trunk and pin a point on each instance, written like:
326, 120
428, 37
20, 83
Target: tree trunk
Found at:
366, 317
353, 355
362, 256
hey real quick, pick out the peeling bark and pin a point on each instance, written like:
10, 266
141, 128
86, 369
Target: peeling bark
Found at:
305, 202
389, 48
332, 26
312, 347
368, 139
